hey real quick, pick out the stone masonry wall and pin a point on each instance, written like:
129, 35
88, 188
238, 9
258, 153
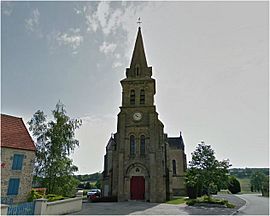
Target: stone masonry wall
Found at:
25, 175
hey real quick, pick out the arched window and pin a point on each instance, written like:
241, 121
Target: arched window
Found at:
174, 167
142, 97
132, 97
142, 146
132, 145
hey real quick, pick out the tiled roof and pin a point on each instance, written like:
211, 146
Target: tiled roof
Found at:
14, 134
176, 142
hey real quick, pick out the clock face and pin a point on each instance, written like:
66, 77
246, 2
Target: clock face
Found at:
137, 116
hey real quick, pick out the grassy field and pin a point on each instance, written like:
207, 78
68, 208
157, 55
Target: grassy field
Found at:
245, 185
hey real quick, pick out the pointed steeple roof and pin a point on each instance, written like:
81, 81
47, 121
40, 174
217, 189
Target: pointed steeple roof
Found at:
138, 56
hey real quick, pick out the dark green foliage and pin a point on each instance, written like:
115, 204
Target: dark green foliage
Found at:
89, 177
34, 195
53, 197
256, 180
205, 172
265, 187
234, 185
55, 140
247, 172
88, 185
98, 184
209, 200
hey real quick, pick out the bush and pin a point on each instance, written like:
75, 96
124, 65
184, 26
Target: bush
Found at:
34, 195
210, 200
234, 185
53, 197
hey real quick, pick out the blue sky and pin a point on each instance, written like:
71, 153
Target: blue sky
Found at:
210, 61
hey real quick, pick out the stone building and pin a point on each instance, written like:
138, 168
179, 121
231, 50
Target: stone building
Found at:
17, 160
141, 162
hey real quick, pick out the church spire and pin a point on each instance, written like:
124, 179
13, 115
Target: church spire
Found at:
138, 56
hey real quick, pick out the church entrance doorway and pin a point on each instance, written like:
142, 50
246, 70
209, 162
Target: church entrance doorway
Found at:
137, 188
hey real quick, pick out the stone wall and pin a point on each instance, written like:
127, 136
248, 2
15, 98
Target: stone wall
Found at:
25, 175
177, 181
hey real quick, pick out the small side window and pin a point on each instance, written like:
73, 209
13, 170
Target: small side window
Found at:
13, 186
174, 167
132, 145
142, 97
17, 162
132, 97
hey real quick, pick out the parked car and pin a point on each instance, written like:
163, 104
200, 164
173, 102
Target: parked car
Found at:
93, 194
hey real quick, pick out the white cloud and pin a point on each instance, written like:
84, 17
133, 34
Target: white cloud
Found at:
103, 18
72, 39
91, 22
103, 13
7, 8
32, 23
117, 64
107, 47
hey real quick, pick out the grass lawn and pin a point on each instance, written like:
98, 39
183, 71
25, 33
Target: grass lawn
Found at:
245, 185
177, 200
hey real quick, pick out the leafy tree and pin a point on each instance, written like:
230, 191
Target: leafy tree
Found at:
234, 185
256, 180
88, 185
55, 141
265, 187
98, 184
206, 170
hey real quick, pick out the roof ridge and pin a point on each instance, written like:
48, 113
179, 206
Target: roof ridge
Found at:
7, 115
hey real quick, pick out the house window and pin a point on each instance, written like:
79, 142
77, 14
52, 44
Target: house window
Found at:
13, 186
142, 97
17, 162
142, 146
132, 145
174, 167
132, 97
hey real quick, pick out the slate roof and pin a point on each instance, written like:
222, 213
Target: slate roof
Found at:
176, 142
14, 134
138, 56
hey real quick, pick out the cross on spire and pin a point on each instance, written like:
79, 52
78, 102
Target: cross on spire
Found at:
139, 22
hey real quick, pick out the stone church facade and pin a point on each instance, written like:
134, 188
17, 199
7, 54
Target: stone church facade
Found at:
141, 161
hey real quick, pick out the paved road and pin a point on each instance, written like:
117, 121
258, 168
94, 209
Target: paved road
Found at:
255, 205
145, 208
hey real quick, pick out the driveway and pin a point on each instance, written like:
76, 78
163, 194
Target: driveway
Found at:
256, 204
145, 208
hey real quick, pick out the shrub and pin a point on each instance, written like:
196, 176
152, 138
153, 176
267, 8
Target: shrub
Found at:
53, 197
34, 195
210, 200
234, 185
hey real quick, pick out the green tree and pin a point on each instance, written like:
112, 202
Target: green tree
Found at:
234, 185
206, 170
265, 187
256, 180
55, 141
98, 184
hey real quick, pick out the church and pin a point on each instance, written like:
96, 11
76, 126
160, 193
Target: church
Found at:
141, 161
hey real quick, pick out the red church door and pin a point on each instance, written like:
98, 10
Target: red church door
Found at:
137, 188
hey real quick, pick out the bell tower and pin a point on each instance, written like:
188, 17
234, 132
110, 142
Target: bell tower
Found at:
140, 138
141, 161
